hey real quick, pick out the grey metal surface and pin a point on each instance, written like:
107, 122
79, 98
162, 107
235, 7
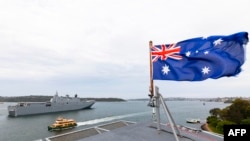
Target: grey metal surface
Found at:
145, 131
80, 134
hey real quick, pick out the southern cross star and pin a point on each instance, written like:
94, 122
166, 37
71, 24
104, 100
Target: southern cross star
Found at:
205, 70
217, 42
206, 52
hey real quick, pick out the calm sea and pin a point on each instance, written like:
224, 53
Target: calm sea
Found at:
30, 128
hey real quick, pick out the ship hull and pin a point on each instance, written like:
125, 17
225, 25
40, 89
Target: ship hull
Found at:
43, 108
60, 128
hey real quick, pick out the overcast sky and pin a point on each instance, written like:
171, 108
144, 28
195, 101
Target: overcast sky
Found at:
99, 48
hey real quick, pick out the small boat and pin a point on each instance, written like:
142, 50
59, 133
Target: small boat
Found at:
62, 123
193, 120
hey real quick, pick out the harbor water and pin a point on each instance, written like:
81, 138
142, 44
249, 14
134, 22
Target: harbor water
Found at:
31, 128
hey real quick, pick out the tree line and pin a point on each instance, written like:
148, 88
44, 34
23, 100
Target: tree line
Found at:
237, 113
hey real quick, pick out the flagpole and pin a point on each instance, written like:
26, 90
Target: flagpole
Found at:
155, 98
151, 89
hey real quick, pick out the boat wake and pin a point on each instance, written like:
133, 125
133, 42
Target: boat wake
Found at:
106, 119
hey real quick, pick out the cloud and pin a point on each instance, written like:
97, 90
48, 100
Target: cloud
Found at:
100, 48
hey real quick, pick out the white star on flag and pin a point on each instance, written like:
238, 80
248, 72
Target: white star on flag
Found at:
206, 52
165, 69
205, 70
188, 53
217, 42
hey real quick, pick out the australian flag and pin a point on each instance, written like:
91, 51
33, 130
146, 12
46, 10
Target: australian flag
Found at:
200, 58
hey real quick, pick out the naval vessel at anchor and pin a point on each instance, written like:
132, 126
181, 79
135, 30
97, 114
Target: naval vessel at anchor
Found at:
56, 104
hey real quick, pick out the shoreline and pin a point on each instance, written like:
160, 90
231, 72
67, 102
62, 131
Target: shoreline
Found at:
205, 127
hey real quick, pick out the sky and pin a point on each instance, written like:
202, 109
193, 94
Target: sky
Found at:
100, 48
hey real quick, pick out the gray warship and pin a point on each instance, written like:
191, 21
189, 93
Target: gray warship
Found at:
56, 104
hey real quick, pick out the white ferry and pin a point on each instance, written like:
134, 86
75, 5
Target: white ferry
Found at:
56, 104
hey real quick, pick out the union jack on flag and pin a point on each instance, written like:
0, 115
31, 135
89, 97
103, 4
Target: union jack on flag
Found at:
165, 51
200, 58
